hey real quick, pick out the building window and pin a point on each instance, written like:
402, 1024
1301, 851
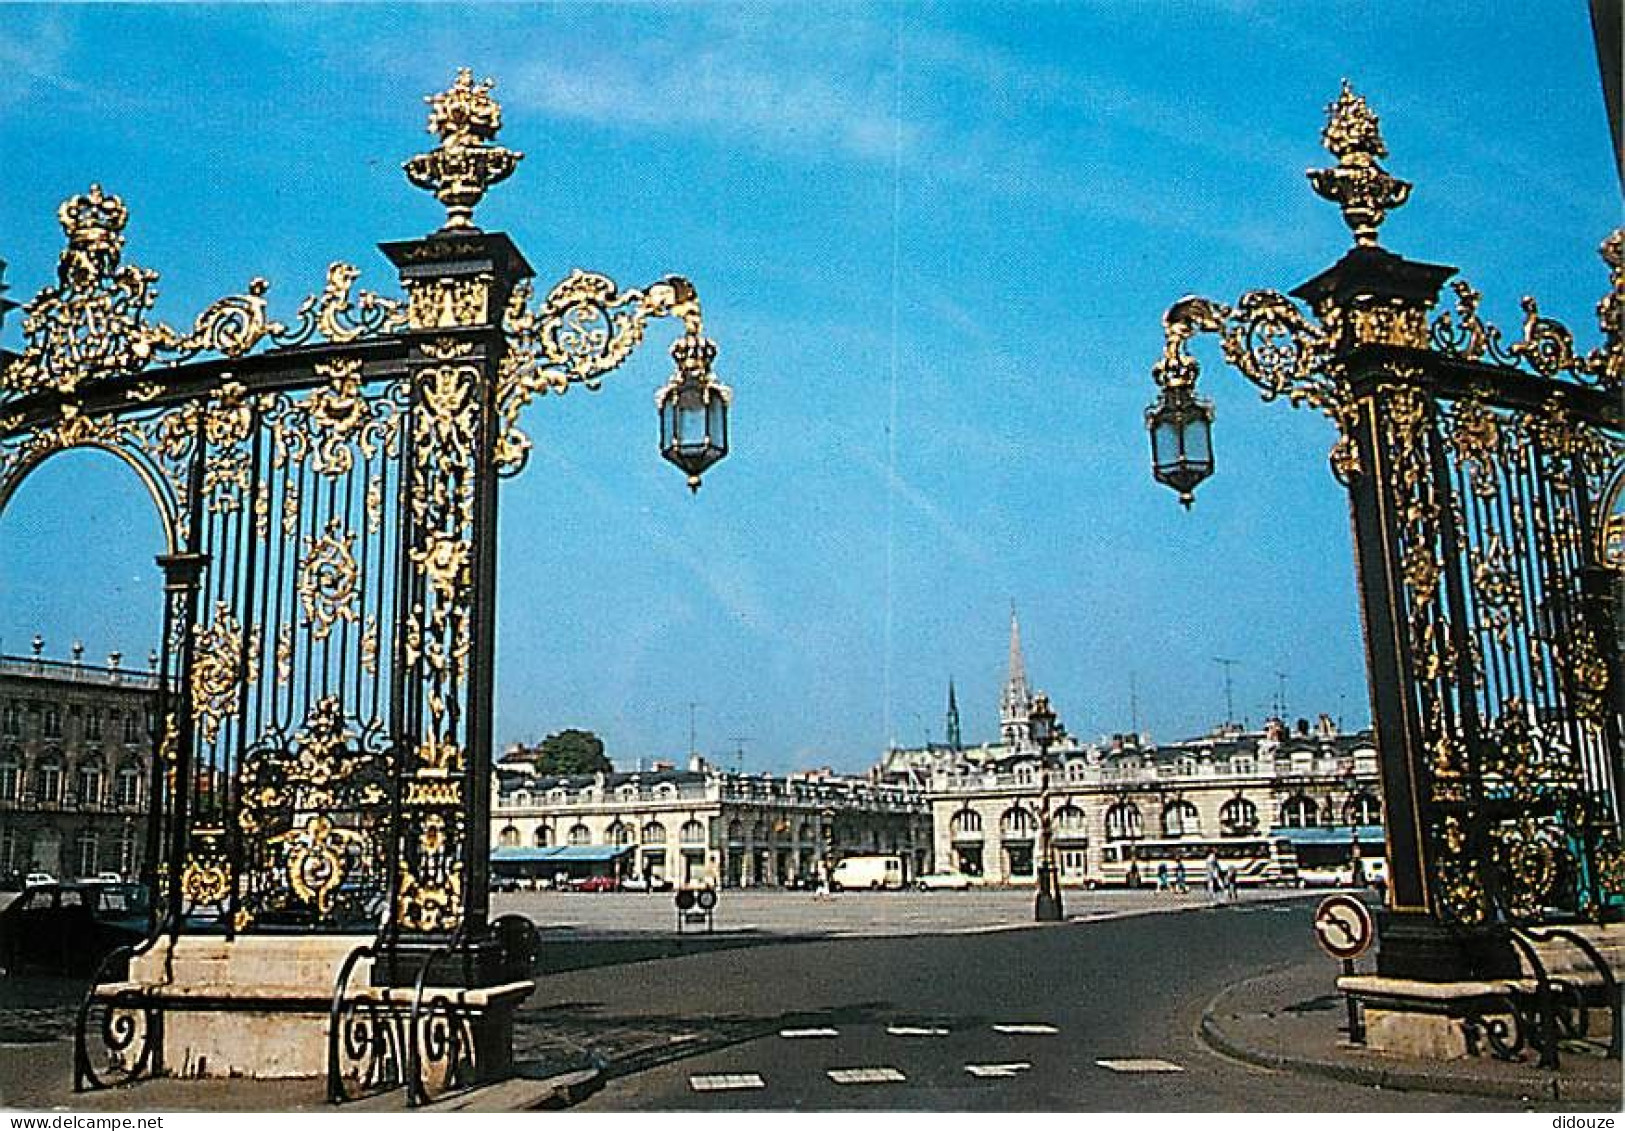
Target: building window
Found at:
1017, 824
966, 823
1074, 862
127, 786
692, 832
132, 728
1300, 813
1179, 818
1362, 809
622, 834
84, 852
1075, 769
93, 726
580, 835
1024, 774
11, 721
89, 785
654, 833
1069, 820
1238, 817
8, 850
10, 777
48, 782
508, 837
736, 831
544, 836
1123, 822
1242, 766
52, 725
1187, 767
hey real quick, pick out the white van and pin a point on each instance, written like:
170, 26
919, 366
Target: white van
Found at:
873, 872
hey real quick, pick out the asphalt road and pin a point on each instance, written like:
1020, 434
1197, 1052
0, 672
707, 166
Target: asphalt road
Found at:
917, 1020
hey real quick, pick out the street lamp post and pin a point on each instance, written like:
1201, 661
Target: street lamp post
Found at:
1043, 729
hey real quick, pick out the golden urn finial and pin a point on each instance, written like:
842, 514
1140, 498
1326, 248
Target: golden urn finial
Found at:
467, 162
1357, 184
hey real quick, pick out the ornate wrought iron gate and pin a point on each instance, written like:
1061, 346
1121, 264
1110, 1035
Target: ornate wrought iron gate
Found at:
328, 491
1487, 486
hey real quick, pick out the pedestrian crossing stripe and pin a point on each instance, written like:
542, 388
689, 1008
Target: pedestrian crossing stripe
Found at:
986, 1071
1026, 1029
1140, 1064
794, 1034
916, 1031
866, 1076
726, 1082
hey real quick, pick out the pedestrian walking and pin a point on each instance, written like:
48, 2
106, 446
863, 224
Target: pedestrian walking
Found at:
1215, 877
1162, 876
1230, 883
1180, 883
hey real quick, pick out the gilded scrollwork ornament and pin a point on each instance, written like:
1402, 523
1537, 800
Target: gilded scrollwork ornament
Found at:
329, 581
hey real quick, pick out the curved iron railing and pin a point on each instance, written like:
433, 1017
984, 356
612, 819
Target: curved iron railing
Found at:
129, 1021
443, 1033
364, 1032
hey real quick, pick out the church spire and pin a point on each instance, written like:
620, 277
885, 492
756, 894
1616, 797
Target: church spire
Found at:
953, 717
1016, 702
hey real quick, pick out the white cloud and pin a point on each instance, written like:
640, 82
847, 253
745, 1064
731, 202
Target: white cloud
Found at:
32, 52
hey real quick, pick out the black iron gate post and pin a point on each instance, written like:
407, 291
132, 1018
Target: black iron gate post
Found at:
1485, 483
458, 282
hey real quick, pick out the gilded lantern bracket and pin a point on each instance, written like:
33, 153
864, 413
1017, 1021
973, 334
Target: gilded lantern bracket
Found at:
583, 329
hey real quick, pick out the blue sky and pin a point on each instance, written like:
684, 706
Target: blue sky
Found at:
934, 242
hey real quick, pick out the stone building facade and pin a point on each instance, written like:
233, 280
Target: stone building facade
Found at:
75, 767
705, 825
985, 816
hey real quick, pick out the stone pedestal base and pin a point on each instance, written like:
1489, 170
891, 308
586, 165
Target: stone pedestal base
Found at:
259, 1006
1429, 1020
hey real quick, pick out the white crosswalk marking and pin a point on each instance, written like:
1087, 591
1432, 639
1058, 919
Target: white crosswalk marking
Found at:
986, 1071
866, 1075
916, 1031
726, 1082
1027, 1029
1140, 1064
796, 1034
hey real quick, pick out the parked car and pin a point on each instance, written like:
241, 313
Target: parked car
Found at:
70, 928
636, 883
504, 883
595, 883
106, 878
944, 881
37, 879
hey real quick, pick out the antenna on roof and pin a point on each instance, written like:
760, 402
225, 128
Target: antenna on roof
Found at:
1229, 689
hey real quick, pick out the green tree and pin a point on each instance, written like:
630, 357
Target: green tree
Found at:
572, 752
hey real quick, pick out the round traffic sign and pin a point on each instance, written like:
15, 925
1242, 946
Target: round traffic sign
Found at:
685, 899
1343, 926
707, 898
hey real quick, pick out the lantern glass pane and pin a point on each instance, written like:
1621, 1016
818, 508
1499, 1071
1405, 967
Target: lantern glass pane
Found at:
1198, 441
691, 422
1165, 442
716, 422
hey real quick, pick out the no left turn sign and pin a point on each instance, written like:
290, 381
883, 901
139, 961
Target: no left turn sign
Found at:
1343, 927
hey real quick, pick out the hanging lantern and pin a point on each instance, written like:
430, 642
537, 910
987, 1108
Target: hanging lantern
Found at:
693, 408
1181, 427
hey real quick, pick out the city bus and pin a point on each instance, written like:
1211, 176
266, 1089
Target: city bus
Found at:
1258, 860
1326, 855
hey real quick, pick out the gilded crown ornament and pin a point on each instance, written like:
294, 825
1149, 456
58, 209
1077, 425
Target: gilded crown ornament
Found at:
466, 163
1357, 184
